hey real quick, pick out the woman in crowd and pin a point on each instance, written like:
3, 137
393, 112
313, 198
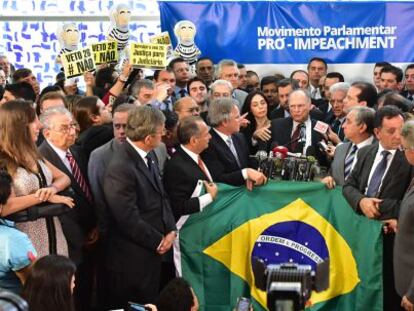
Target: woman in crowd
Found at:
93, 119
50, 284
257, 133
35, 180
21, 90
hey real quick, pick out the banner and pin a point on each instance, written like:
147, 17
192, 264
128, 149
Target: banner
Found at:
292, 32
148, 55
105, 52
281, 222
77, 62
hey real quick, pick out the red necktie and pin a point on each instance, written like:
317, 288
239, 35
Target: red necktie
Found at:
295, 138
78, 176
203, 168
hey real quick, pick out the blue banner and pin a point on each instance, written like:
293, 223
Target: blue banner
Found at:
279, 32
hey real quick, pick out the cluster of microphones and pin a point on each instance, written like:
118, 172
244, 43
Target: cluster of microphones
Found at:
280, 164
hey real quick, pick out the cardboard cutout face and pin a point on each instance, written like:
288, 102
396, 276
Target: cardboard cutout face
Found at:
124, 16
70, 35
186, 48
185, 32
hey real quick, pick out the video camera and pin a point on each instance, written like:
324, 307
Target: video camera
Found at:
12, 302
289, 285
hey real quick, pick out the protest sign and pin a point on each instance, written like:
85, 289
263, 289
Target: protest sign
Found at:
77, 62
105, 52
163, 38
148, 55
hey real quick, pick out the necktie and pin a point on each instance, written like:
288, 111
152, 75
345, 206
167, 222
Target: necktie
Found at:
168, 104
314, 93
349, 160
337, 126
376, 178
410, 97
77, 174
203, 168
229, 142
295, 137
153, 169
183, 93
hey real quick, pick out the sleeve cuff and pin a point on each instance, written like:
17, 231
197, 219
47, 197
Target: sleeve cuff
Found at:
244, 173
205, 200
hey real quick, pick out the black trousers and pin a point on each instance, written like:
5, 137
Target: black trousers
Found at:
392, 301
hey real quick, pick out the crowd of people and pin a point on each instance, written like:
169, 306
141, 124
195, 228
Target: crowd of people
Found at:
93, 181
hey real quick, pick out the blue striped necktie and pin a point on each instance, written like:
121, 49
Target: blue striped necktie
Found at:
349, 160
376, 178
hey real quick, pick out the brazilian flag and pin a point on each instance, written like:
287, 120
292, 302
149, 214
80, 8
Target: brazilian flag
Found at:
280, 222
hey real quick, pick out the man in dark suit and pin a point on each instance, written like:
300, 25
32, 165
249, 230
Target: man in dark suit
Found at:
284, 88
404, 242
227, 156
409, 83
358, 128
143, 226
185, 169
297, 131
377, 185
338, 93
79, 224
404, 246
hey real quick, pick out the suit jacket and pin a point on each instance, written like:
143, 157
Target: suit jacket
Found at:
81, 219
180, 179
98, 163
281, 130
337, 166
404, 248
394, 183
140, 216
94, 137
240, 96
221, 162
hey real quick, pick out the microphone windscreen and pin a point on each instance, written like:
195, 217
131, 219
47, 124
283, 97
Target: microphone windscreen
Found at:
310, 151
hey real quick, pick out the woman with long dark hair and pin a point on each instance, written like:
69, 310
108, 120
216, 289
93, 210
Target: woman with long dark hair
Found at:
50, 284
35, 180
257, 133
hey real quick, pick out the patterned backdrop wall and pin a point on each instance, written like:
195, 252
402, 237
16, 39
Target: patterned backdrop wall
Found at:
28, 28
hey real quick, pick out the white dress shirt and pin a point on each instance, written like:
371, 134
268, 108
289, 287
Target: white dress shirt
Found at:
204, 199
62, 155
308, 125
142, 153
378, 158
362, 144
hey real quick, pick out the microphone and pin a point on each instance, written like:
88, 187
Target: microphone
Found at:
310, 151
280, 152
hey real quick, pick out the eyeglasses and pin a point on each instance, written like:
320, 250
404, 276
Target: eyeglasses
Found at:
118, 126
65, 128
